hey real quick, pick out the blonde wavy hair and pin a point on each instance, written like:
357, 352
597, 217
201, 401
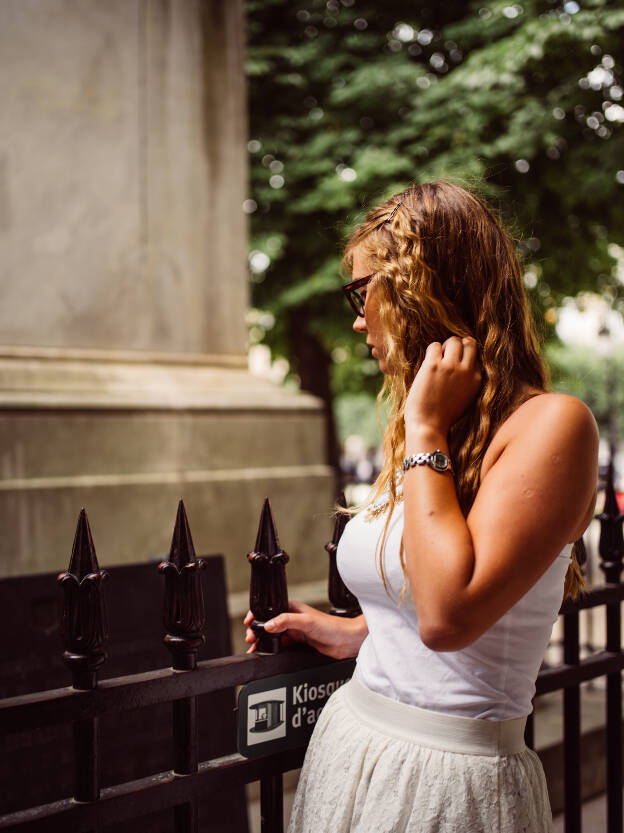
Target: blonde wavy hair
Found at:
444, 266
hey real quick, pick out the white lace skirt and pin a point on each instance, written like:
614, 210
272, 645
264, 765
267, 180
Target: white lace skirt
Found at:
375, 765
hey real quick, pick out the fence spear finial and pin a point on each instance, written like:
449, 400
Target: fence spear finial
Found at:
268, 593
344, 603
83, 624
184, 614
267, 541
182, 550
83, 559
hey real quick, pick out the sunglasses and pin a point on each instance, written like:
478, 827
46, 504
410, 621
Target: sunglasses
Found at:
353, 293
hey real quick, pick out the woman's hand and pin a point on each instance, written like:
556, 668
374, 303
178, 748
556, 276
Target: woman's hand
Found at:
334, 636
446, 383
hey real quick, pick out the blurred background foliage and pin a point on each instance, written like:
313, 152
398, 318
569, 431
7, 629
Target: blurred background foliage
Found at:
351, 101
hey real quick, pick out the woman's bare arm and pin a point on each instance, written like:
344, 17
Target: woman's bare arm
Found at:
464, 574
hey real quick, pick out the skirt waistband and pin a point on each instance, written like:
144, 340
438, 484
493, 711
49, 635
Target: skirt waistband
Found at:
450, 733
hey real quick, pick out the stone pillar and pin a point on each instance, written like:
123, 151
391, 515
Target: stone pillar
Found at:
123, 370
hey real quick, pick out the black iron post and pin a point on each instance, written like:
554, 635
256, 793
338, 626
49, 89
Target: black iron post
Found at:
343, 602
268, 593
572, 728
184, 618
268, 597
84, 630
271, 804
611, 548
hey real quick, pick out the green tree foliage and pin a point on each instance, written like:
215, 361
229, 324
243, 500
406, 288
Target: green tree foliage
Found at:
352, 100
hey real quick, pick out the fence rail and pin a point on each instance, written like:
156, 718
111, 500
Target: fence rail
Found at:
84, 627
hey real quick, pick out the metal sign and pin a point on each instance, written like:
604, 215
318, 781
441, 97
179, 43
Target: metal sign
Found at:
281, 712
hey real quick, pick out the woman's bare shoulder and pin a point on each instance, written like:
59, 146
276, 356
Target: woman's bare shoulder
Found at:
554, 412
563, 418
554, 428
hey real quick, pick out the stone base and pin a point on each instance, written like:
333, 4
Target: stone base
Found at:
127, 438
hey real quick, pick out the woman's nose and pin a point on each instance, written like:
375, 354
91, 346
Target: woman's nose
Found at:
359, 325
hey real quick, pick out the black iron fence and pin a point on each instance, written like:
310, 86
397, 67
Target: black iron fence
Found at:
82, 705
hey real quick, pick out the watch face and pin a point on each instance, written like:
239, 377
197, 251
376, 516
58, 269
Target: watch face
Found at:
439, 461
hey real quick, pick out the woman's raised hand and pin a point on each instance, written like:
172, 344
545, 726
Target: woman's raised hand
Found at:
446, 383
334, 636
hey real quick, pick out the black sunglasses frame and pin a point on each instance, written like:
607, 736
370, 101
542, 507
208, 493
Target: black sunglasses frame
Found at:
353, 296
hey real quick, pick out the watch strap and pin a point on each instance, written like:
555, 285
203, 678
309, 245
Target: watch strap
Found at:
436, 460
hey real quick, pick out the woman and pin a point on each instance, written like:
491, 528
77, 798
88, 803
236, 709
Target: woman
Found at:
459, 559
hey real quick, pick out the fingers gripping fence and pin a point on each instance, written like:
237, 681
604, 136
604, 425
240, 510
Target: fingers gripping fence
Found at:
84, 625
84, 629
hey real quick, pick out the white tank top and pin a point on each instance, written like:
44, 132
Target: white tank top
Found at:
493, 678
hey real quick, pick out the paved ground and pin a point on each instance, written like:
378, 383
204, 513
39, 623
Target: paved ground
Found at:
549, 713
594, 817
290, 784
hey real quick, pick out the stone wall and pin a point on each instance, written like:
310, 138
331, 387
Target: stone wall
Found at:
123, 166
123, 371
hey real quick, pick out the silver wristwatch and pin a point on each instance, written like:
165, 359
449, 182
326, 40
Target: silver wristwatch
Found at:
436, 460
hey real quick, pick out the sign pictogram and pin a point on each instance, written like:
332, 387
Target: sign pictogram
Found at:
281, 712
